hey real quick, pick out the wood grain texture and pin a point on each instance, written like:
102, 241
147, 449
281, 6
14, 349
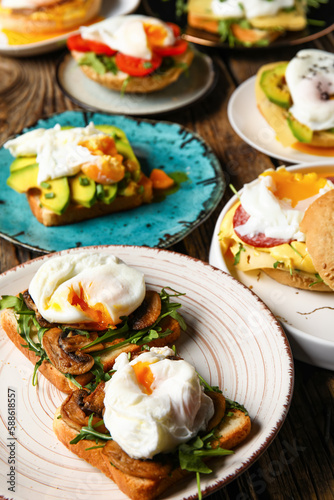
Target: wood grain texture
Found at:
299, 464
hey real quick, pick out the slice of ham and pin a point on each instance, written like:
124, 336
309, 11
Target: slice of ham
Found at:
258, 240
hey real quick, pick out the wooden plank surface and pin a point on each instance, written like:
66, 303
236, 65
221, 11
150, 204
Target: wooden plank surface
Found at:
299, 464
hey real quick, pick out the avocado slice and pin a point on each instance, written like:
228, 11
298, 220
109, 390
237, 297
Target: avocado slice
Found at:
273, 84
83, 190
56, 196
23, 178
115, 132
301, 132
22, 161
106, 193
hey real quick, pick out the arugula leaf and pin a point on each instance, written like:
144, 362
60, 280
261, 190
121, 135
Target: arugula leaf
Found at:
92, 60
238, 254
318, 280
234, 405
89, 432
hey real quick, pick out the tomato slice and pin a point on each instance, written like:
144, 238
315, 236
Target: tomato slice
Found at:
179, 47
176, 29
135, 66
76, 42
258, 240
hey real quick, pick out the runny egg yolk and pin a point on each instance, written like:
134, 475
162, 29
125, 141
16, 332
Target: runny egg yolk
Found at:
295, 187
109, 168
98, 313
144, 375
156, 34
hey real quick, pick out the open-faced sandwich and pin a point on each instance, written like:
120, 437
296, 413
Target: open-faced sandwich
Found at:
45, 16
81, 311
155, 421
73, 174
280, 225
247, 22
134, 54
296, 99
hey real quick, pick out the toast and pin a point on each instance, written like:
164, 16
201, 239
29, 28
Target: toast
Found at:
139, 85
52, 17
62, 357
140, 479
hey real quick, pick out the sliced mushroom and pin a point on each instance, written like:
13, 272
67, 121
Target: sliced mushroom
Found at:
32, 306
219, 406
94, 402
149, 469
147, 313
73, 413
74, 363
71, 342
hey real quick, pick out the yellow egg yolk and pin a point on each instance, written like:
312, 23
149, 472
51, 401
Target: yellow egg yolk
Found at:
155, 34
144, 375
98, 313
295, 187
109, 169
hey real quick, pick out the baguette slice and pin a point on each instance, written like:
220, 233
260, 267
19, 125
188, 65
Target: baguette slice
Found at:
56, 377
231, 432
141, 85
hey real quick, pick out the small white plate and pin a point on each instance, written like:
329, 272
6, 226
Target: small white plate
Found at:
249, 124
190, 87
109, 8
306, 316
232, 339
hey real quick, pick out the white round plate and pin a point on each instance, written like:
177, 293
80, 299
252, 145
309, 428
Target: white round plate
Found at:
306, 316
189, 88
109, 8
232, 339
247, 121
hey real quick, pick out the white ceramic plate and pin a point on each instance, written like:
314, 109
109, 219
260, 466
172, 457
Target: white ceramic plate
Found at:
247, 121
190, 87
241, 349
109, 8
306, 316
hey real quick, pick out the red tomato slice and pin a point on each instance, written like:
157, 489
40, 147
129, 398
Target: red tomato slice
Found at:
179, 47
176, 29
260, 239
76, 42
135, 66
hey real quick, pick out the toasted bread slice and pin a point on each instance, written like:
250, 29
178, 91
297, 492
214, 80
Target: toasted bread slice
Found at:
60, 16
298, 279
141, 85
232, 430
59, 379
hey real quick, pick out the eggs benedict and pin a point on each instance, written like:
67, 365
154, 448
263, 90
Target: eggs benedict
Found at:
264, 229
247, 22
80, 312
134, 54
296, 99
45, 16
146, 421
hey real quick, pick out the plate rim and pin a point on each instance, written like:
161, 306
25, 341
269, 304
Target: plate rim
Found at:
206, 90
246, 85
213, 246
270, 436
220, 180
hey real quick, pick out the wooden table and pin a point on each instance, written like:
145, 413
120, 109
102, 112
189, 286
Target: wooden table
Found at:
299, 463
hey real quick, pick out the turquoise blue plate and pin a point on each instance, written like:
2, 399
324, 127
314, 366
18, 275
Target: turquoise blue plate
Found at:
157, 145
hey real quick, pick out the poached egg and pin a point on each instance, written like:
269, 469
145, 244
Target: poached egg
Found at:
229, 9
132, 35
59, 152
310, 79
87, 287
153, 403
276, 202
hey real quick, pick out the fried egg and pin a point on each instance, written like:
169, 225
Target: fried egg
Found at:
152, 404
276, 202
64, 152
87, 287
310, 79
248, 8
131, 35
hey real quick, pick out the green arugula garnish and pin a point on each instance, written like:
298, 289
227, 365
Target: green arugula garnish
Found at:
92, 60
238, 254
89, 432
277, 263
318, 280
